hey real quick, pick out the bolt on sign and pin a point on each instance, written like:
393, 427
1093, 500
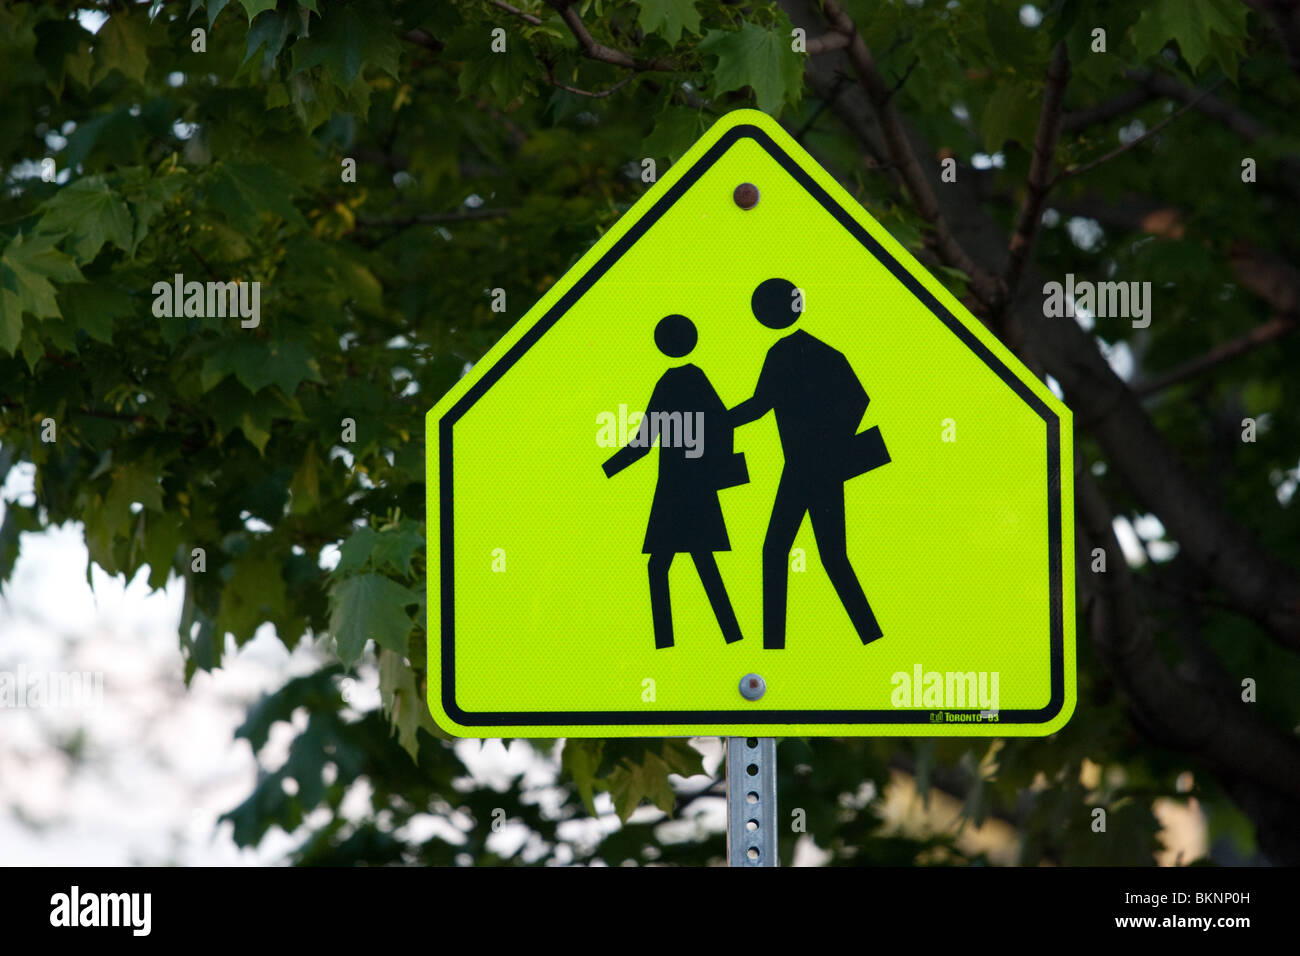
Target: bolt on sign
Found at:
749, 470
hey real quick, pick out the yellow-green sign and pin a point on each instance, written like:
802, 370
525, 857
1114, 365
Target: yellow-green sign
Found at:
748, 469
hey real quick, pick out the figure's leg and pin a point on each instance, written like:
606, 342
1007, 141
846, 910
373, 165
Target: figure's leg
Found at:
661, 608
827, 513
787, 514
707, 565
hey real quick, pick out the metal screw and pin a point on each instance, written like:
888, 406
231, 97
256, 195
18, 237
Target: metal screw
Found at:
746, 195
752, 687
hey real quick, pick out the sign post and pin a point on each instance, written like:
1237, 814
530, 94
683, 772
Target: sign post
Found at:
749, 434
751, 801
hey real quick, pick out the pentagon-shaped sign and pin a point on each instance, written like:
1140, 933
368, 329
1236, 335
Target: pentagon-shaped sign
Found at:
748, 469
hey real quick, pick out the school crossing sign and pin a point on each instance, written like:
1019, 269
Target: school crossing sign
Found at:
749, 470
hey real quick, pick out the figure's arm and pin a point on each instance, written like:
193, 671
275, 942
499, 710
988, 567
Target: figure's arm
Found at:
752, 409
630, 452
637, 448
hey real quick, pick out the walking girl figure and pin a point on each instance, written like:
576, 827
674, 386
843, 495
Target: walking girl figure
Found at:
685, 516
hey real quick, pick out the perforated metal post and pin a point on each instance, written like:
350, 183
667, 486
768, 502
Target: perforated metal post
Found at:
751, 801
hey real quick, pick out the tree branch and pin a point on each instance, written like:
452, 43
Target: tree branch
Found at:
1213, 725
1270, 331
1137, 213
594, 94
822, 103
113, 416
423, 38
1267, 276
1285, 15
90, 412
460, 215
983, 284
1037, 186
1252, 578
1236, 120
203, 262
1079, 120
827, 42
1259, 585
595, 50
906, 73
1073, 171
516, 12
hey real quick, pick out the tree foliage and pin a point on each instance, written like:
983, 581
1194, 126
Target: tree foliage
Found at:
135, 153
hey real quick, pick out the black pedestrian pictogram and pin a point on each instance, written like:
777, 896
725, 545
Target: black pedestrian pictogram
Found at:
818, 402
690, 424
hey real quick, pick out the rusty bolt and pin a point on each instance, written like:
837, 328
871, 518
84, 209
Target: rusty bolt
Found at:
746, 196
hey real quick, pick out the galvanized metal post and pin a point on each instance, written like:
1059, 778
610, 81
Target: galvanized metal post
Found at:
751, 801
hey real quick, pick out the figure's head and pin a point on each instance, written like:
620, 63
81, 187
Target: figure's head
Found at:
675, 335
775, 303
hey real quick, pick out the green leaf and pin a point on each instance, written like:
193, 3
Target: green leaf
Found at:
305, 486
579, 760
269, 31
268, 804
668, 18
1010, 114
17, 519
63, 49
257, 363
136, 481
91, 214
232, 407
255, 423
148, 195
1062, 15
163, 535
1011, 41
121, 45
244, 191
214, 9
632, 784
315, 691
1194, 24
26, 267
404, 705
254, 595
681, 758
760, 58
396, 688
354, 553
507, 74
391, 549
348, 38
114, 133
369, 606
676, 130
394, 549
253, 7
